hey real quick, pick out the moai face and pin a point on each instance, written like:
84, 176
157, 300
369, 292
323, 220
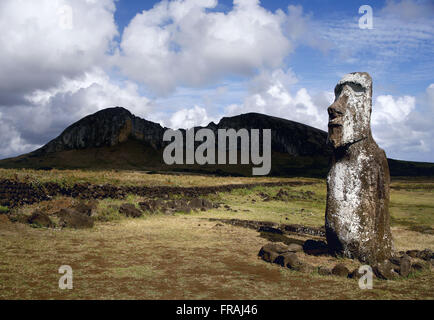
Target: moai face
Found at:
350, 114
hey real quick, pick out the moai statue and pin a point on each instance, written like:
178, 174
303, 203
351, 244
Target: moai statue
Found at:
357, 218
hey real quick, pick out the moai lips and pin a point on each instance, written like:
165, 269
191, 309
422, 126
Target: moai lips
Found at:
357, 215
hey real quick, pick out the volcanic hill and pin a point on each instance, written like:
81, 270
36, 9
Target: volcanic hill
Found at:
114, 138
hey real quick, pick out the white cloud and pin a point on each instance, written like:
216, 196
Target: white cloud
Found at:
189, 118
180, 43
403, 125
381, 50
270, 94
44, 41
48, 112
409, 9
390, 110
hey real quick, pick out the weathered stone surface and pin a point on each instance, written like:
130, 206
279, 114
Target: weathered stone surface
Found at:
306, 268
405, 266
270, 230
291, 261
413, 253
271, 251
426, 255
340, 270
355, 274
357, 218
384, 270
130, 210
70, 218
324, 271
40, 219
87, 208
420, 266
294, 247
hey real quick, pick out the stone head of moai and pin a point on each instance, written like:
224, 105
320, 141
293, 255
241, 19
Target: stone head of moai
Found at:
350, 114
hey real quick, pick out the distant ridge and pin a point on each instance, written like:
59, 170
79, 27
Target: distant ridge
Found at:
114, 138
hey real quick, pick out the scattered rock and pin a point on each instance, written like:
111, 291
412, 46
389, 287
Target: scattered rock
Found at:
405, 266
291, 261
195, 203
413, 253
70, 218
315, 247
340, 270
269, 229
419, 266
355, 274
40, 219
271, 251
306, 268
324, 271
395, 260
426, 255
294, 247
130, 210
88, 209
384, 270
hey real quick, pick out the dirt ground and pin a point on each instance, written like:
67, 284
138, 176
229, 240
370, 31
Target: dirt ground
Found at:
190, 257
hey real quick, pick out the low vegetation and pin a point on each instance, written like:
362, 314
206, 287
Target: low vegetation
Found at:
188, 256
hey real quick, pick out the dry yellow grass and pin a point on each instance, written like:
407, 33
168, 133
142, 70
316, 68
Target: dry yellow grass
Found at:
130, 178
189, 257
178, 257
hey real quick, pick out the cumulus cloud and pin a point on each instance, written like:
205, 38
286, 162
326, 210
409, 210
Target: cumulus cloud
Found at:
403, 125
180, 43
189, 118
48, 112
270, 93
44, 41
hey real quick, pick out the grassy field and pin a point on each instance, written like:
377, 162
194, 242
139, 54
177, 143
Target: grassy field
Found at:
187, 256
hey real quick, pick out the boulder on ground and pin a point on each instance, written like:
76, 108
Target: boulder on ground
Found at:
405, 266
324, 271
426, 255
355, 274
71, 218
413, 253
315, 247
340, 270
270, 230
130, 210
306, 268
195, 203
40, 219
295, 247
271, 251
87, 208
291, 261
419, 266
384, 270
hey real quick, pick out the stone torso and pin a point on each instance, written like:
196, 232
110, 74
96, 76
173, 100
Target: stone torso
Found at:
357, 220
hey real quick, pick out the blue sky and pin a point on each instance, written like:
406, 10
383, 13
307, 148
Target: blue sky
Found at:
188, 62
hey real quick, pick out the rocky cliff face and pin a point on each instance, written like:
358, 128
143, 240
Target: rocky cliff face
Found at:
112, 126
107, 127
116, 139
287, 136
